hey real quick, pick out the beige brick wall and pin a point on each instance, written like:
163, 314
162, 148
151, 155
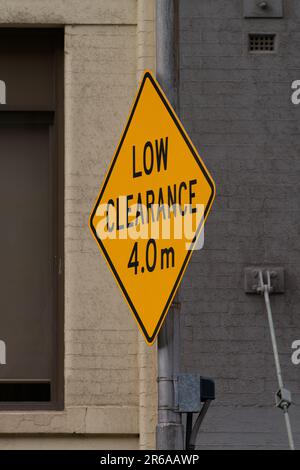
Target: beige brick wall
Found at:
110, 385
100, 84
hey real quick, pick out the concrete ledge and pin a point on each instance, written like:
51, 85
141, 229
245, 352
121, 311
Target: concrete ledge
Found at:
69, 442
59, 12
74, 420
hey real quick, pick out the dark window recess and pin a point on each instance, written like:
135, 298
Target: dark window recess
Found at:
25, 392
32, 219
262, 42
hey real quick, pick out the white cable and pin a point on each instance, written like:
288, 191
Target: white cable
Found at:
266, 289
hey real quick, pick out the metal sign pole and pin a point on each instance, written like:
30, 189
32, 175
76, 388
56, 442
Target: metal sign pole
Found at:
169, 430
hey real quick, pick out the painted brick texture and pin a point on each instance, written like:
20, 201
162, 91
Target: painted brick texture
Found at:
102, 367
236, 106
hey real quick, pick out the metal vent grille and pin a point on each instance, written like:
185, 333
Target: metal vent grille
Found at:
261, 42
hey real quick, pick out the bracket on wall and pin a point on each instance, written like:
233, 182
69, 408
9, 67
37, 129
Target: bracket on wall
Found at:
251, 279
263, 8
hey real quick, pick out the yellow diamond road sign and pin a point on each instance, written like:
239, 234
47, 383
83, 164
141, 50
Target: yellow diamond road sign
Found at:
152, 207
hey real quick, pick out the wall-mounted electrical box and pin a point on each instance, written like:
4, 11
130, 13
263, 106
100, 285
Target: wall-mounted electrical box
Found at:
192, 391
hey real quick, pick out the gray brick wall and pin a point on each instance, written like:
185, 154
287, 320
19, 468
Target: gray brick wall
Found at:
236, 106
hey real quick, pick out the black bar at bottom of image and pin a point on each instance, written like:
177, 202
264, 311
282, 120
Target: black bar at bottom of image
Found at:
124, 459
